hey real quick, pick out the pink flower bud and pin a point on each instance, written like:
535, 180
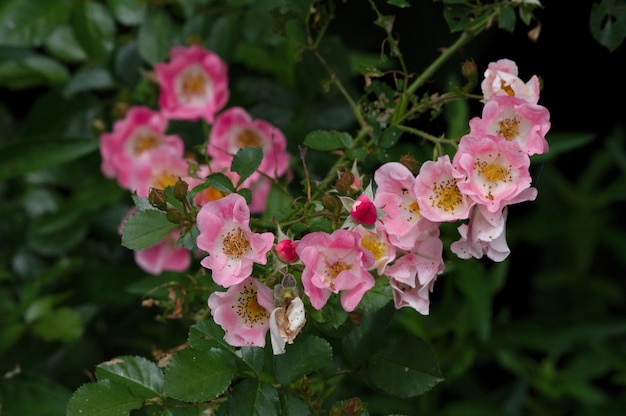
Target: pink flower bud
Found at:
363, 211
286, 251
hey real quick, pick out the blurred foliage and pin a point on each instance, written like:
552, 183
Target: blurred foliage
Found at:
542, 333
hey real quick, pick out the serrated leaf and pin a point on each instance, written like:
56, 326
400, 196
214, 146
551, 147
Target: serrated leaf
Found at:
104, 398
207, 335
29, 23
507, 19
246, 161
253, 398
367, 337
144, 229
94, 28
306, 354
390, 137
326, 140
404, 367
32, 155
140, 375
217, 180
196, 376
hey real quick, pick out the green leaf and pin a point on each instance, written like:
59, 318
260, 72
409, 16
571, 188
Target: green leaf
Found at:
89, 78
368, 336
390, 137
94, 29
194, 375
128, 12
326, 140
30, 23
140, 375
306, 354
207, 335
253, 398
507, 19
246, 161
63, 45
30, 70
399, 3
32, 155
292, 405
216, 180
145, 228
155, 37
607, 21
104, 398
404, 367
63, 324
23, 394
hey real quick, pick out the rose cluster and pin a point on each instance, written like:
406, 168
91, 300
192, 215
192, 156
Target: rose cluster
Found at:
391, 229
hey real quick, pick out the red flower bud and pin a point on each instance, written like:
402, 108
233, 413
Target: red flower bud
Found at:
363, 211
286, 251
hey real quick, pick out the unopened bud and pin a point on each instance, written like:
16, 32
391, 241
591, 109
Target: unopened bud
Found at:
174, 215
470, 72
286, 251
363, 211
180, 190
157, 198
330, 202
345, 181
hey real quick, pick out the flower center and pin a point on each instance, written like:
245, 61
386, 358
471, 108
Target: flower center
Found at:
446, 195
509, 128
193, 84
248, 309
372, 244
333, 270
144, 142
507, 89
210, 194
249, 138
493, 173
236, 243
163, 180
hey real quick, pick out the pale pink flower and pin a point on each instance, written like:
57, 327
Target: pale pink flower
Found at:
412, 276
226, 236
260, 187
158, 168
483, 236
235, 128
335, 263
437, 191
194, 84
166, 255
376, 242
243, 311
523, 124
140, 131
501, 78
395, 195
497, 175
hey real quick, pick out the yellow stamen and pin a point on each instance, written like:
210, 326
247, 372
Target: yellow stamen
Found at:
447, 195
507, 89
236, 243
509, 128
372, 244
249, 138
248, 308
